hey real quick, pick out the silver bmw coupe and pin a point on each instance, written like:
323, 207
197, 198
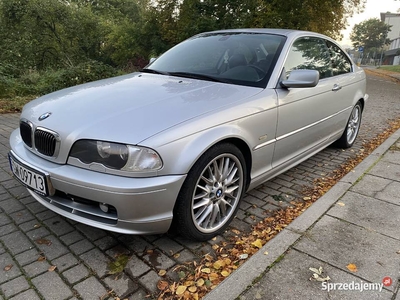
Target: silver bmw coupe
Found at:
180, 142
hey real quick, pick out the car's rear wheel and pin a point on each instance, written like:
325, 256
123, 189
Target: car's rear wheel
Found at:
210, 195
352, 128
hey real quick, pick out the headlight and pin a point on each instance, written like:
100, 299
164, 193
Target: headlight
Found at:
116, 156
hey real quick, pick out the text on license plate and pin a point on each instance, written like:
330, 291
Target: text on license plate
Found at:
29, 177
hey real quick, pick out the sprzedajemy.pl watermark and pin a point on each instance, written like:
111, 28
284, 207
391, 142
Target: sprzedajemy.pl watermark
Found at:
356, 286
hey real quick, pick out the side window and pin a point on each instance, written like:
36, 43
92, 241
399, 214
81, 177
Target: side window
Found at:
340, 62
309, 53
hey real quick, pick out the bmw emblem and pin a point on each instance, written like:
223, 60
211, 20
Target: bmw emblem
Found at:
218, 193
44, 116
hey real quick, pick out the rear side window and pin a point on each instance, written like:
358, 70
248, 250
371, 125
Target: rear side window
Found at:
340, 62
309, 53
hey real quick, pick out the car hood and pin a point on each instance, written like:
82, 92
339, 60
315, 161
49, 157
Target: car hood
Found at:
130, 108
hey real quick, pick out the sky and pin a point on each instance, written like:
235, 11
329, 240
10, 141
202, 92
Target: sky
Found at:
373, 9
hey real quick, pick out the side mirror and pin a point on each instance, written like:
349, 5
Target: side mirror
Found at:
301, 79
152, 59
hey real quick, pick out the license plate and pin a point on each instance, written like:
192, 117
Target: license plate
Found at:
30, 177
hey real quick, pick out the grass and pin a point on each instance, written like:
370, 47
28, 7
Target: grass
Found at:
391, 68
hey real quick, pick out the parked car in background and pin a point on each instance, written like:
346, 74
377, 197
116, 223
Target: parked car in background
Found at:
181, 141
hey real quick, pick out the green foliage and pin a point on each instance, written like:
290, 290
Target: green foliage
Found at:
51, 44
45, 34
33, 82
372, 33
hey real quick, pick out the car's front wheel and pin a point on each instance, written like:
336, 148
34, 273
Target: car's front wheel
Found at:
353, 126
210, 195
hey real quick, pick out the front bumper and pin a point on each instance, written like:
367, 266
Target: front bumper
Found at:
139, 205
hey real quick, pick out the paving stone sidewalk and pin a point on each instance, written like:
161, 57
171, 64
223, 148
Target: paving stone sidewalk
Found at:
356, 223
33, 239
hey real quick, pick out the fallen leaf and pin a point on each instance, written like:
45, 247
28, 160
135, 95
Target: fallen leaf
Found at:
398, 252
235, 231
180, 289
323, 279
317, 271
181, 274
214, 238
177, 255
162, 272
43, 241
266, 253
352, 267
195, 296
257, 243
200, 282
52, 268
218, 264
206, 270
36, 226
41, 258
225, 273
188, 283
306, 198
162, 285
213, 276
243, 256
8, 267
341, 204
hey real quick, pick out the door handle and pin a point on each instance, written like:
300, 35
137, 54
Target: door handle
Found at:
336, 87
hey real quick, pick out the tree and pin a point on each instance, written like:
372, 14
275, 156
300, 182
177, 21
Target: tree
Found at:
41, 34
323, 16
371, 33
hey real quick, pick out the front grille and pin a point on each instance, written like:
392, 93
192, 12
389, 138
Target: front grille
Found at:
45, 142
26, 133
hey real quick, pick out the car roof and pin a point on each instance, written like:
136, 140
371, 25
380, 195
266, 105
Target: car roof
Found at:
285, 32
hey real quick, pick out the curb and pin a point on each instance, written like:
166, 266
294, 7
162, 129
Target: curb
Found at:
258, 264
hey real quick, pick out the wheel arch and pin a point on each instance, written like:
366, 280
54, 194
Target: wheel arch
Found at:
244, 148
362, 101
181, 155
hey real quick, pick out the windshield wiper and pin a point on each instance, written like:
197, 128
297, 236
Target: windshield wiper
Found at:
197, 76
152, 71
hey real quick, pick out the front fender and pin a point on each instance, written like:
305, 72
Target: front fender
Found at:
179, 156
255, 131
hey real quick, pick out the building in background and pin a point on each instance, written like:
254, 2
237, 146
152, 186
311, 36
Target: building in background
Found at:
392, 56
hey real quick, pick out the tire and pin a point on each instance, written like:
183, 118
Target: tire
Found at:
352, 128
210, 196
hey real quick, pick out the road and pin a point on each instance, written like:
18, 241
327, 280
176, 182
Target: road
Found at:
82, 254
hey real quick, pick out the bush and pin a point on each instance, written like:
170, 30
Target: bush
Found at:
89, 71
39, 83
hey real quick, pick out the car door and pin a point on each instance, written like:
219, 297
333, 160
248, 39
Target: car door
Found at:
305, 114
344, 84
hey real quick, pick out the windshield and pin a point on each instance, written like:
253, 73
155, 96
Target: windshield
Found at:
238, 58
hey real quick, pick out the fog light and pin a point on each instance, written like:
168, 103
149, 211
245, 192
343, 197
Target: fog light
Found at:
104, 207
